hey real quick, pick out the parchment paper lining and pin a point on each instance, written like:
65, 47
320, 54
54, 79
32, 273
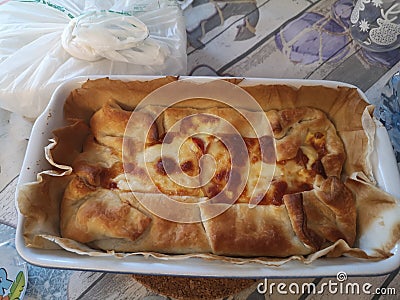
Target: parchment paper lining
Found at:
377, 211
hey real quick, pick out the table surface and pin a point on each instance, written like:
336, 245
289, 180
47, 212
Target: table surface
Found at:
262, 38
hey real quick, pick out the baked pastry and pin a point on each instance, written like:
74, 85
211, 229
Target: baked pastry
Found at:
203, 178
305, 206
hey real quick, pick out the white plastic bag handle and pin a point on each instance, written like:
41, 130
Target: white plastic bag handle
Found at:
117, 37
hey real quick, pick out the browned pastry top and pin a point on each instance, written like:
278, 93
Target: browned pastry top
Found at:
293, 173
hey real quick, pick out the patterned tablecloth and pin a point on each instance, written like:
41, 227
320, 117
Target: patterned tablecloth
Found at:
252, 38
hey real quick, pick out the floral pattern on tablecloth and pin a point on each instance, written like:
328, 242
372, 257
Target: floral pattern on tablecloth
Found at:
47, 284
43, 283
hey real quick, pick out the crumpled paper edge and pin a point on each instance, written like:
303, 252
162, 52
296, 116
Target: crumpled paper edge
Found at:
339, 246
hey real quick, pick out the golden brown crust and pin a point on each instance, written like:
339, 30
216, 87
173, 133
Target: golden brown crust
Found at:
307, 146
262, 231
306, 207
307, 129
109, 127
338, 198
90, 213
329, 210
149, 168
161, 235
213, 120
164, 237
298, 218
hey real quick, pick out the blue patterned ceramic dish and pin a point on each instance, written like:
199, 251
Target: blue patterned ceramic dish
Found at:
388, 111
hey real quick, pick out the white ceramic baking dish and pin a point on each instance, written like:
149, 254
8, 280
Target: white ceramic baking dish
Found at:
385, 171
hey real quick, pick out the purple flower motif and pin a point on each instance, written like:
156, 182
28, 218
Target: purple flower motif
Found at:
341, 11
313, 38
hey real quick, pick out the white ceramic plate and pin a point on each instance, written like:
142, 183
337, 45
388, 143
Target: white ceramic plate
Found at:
385, 171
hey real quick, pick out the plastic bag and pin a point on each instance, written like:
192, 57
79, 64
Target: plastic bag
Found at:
43, 43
